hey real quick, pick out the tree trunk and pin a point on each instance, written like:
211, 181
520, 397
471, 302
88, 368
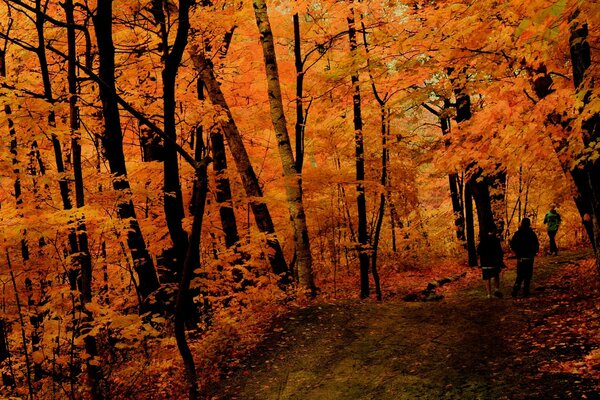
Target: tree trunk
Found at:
470, 226
498, 198
83, 257
361, 202
223, 195
300, 122
384, 183
40, 51
243, 166
173, 200
481, 194
293, 178
5, 362
587, 174
113, 145
455, 193
191, 263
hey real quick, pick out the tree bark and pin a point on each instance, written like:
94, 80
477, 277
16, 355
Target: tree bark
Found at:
13, 137
7, 378
244, 167
293, 177
481, 194
455, 193
173, 200
84, 258
223, 195
587, 174
191, 263
113, 144
470, 226
300, 123
361, 202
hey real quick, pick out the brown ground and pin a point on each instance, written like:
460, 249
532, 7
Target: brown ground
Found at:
463, 347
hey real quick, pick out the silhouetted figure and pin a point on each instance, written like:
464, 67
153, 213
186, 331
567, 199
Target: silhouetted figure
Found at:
491, 261
552, 219
525, 245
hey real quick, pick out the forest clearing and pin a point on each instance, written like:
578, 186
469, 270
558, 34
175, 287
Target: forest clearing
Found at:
308, 199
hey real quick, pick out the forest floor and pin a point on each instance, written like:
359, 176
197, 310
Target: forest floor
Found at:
465, 346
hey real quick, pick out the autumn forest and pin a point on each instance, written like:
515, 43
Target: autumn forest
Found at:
177, 177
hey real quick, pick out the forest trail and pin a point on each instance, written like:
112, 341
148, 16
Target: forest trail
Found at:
464, 347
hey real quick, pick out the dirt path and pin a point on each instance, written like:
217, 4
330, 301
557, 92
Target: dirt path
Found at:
464, 347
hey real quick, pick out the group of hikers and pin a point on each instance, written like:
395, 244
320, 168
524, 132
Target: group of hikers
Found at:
525, 246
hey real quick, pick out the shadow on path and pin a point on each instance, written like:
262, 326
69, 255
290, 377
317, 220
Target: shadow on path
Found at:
460, 348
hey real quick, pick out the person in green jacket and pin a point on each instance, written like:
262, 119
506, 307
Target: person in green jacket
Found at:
552, 219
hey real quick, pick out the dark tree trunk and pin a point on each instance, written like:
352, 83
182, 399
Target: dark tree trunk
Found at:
483, 186
83, 258
384, 182
299, 126
244, 167
113, 146
361, 202
457, 206
587, 174
63, 182
223, 196
5, 362
497, 190
173, 200
153, 148
481, 194
13, 137
470, 226
453, 179
191, 263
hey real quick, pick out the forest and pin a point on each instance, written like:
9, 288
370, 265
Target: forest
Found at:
178, 177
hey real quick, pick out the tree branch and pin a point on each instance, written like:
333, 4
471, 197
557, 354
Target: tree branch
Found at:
137, 114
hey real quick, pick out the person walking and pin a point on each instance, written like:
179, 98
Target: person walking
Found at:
552, 219
491, 261
525, 245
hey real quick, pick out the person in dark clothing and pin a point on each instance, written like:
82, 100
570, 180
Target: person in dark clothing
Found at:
491, 261
525, 245
552, 219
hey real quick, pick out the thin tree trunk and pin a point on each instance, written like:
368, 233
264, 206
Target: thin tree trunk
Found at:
94, 371
384, 184
393, 224
113, 144
293, 177
8, 379
455, 193
299, 126
470, 226
40, 51
14, 153
173, 200
84, 257
22, 323
361, 202
223, 195
191, 263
